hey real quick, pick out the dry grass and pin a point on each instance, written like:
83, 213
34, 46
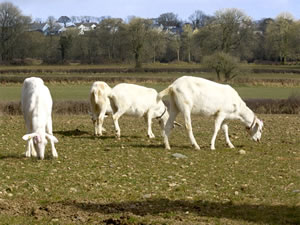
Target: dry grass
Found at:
265, 106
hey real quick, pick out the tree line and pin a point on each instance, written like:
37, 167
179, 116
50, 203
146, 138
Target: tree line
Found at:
165, 39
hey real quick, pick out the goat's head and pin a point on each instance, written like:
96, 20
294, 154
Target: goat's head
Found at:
39, 142
255, 130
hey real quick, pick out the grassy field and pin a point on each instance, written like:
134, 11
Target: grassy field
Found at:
136, 181
81, 91
249, 85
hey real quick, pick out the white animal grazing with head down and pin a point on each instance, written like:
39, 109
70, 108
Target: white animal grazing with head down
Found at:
100, 105
138, 101
37, 108
192, 95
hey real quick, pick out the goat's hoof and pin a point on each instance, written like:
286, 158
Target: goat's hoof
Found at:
196, 147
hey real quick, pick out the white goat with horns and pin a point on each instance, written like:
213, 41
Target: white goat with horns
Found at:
192, 95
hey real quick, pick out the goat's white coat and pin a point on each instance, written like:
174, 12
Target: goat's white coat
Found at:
36, 104
192, 95
138, 101
99, 104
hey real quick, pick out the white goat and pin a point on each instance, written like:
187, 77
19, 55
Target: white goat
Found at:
37, 107
138, 101
192, 95
99, 104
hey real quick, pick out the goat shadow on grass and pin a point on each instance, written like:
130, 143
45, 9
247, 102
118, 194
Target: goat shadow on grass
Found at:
131, 137
156, 146
70, 133
162, 146
268, 214
12, 156
23, 157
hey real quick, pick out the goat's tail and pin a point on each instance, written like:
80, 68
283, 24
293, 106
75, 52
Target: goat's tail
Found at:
163, 93
93, 96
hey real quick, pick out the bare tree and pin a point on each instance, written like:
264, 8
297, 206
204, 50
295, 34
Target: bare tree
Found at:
186, 37
12, 25
108, 33
233, 26
64, 20
168, 19
230, 31
157, 43
199, 19
279, 36
138, 29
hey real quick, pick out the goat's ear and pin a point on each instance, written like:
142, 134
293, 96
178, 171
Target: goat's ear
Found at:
260, 122
52, 138
27, 137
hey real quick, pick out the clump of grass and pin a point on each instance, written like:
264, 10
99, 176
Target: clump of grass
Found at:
10, 108
59, 107
276, 106
262, 106
71, 107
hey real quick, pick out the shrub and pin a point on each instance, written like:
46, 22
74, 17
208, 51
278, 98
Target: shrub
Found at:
225, 65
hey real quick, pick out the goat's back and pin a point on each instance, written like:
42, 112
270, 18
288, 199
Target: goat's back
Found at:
35, 96
204, 96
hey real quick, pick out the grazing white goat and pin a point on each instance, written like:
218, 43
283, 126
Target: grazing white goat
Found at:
99, 104
138, 101
37, 107
192, 95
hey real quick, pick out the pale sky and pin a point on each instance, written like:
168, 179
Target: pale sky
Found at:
256, 9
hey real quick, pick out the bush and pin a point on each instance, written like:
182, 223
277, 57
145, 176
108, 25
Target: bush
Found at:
225, 65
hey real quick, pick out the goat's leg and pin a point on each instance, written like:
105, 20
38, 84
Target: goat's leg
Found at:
225, 129
188, 126
28, 149
218, 122
100, 121
167, 128
49, 131
116, 117
149, 124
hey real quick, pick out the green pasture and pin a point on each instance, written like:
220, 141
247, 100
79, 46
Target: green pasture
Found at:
71, 91
134, 180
